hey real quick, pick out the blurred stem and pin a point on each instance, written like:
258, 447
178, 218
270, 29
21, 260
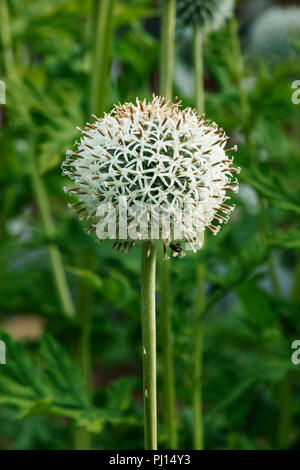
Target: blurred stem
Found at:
8, 55
167, 357
50, 233
295, 295
148, 317
285, 391
101, 25
239, 72
37, 182
102, 54
198, 68
167, 48
198, 361
199, 326
82, 438
166, 87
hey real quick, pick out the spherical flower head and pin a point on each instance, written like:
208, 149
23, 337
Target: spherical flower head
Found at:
208, 14
158, 158
275, 33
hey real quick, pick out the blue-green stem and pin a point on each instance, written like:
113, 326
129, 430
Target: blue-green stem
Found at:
166, 87
148, 319
199, 325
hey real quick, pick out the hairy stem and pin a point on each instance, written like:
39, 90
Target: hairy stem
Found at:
148, 317
198, 338
166, 87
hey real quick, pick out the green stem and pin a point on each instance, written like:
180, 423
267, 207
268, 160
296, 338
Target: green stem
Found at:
199, 326
50, 233
167, 357
198, 361
9, 61
295, 295
148, 317
102, 54
102, 39
285, 414
167, 48
198, 67
37, 182
166, 87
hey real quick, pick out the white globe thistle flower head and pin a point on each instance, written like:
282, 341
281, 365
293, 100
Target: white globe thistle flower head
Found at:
208, 14
163, 163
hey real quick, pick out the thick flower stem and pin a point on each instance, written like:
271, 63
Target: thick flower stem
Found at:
148, 317
198, 338
166, 86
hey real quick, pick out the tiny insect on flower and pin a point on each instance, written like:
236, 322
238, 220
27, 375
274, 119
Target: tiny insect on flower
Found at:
154, 154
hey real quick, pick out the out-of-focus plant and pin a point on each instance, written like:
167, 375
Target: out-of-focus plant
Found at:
168, 20
203, 16
274, 36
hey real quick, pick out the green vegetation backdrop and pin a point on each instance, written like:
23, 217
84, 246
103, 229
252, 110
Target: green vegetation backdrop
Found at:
74, 381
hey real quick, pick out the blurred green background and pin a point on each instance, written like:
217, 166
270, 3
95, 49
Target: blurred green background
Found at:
252, 290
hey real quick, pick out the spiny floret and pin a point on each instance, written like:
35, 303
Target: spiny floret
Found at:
154, 154
208, 14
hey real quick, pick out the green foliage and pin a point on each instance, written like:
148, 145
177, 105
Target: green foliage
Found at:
47, 382
249, 327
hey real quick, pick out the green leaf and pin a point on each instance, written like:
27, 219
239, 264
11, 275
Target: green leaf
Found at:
89, 277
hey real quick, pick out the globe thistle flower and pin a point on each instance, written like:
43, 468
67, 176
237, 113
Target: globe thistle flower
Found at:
275, 33
208, 14
153, 154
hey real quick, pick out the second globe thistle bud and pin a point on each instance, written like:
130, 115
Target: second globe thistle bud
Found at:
208, 14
